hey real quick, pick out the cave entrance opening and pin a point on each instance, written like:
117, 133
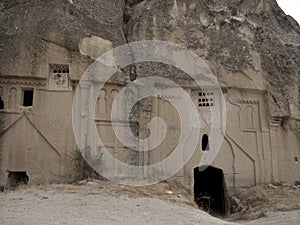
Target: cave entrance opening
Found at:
210, 190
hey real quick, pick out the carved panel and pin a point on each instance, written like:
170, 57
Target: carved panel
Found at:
102, 104
249, 117
12, 103
114, 93
59, 77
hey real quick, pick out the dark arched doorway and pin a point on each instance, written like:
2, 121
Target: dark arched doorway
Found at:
210, 191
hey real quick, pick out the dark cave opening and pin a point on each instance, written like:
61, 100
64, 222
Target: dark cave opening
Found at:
16, 178
210, 190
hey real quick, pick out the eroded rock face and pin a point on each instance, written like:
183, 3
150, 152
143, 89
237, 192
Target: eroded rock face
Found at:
248, 44
252, 47
29, 26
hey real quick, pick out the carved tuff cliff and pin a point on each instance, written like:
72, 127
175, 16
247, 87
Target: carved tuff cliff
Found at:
252, 47
248, 44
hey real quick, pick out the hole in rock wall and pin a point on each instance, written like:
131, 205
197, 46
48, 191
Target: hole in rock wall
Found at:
210, 190
16, 178
27, 97
205, 142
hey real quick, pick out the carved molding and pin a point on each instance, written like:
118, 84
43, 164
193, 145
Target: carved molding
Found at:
253, 102
24, 80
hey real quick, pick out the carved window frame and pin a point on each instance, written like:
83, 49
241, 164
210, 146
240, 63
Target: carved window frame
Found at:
59, 77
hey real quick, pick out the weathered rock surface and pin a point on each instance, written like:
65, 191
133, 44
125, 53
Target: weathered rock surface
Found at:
29, 26
248, 44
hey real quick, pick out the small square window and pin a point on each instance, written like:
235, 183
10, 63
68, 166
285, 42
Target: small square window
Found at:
27, 97
206, 99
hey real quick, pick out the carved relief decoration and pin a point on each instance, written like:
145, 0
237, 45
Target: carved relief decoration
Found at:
59, 77
23, 81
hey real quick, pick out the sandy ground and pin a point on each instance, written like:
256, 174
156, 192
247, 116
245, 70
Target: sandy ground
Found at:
89, 204
282, 218
32, 206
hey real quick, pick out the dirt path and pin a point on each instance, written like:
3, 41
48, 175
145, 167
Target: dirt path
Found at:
111, 204
35, 207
